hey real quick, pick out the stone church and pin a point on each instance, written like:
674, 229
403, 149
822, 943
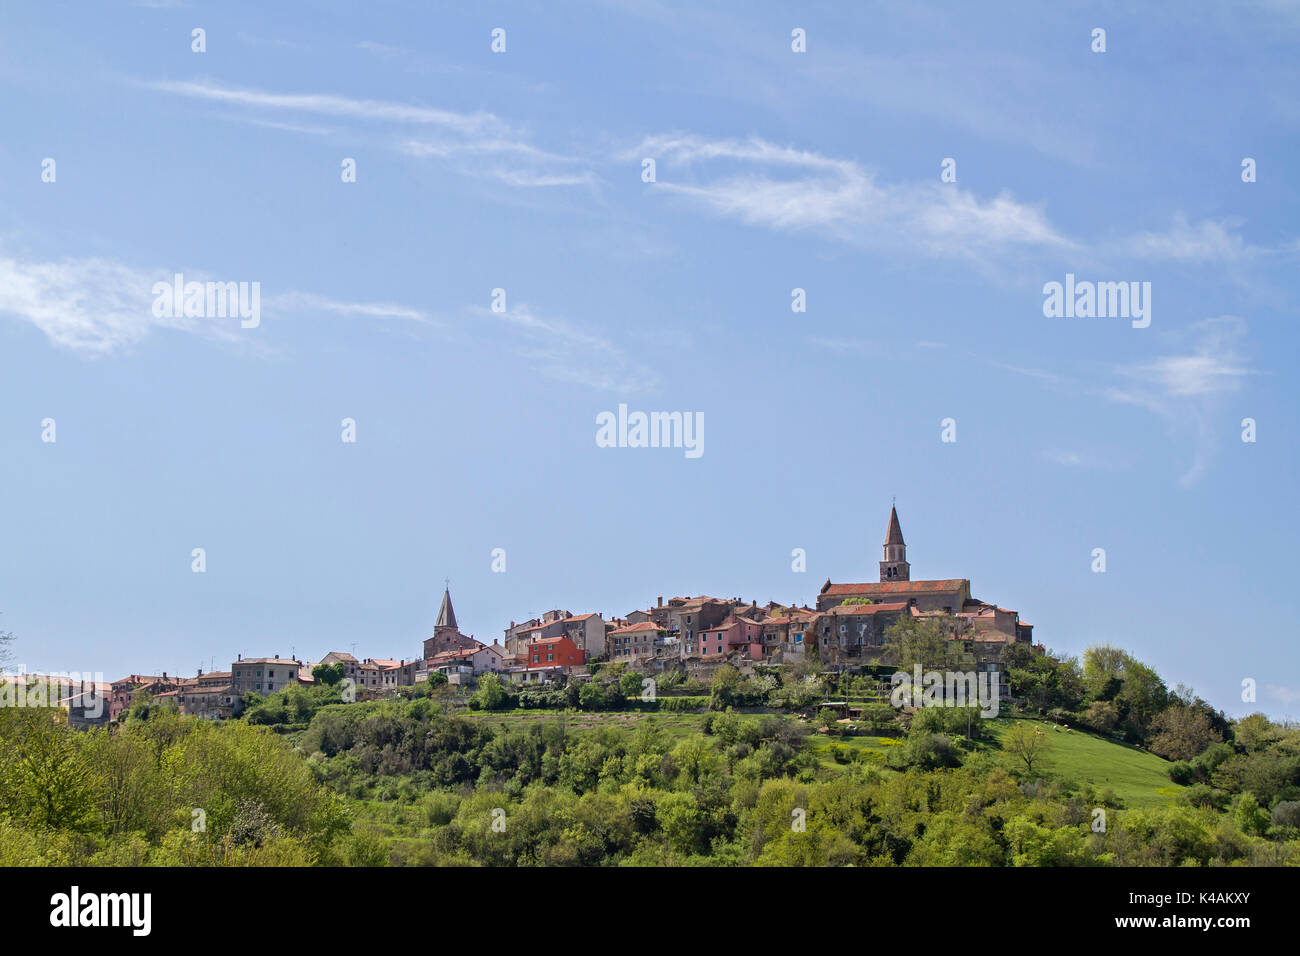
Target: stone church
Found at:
446, 634
943, 598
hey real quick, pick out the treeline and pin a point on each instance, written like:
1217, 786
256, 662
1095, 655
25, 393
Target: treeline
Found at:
615, 687
433, 789
167, 790
354, 747
432, 776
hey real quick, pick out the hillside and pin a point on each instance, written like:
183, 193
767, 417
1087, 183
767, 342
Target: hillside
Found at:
1139, 779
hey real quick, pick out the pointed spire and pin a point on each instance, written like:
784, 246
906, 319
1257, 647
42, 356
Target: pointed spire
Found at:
446, 616
895, 533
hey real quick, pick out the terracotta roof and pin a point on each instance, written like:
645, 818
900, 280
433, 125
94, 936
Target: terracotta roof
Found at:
844, 610
547, 640
137, 679
643, 626
898, 587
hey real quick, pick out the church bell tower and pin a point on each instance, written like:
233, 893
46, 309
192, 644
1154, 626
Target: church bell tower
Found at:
895, 566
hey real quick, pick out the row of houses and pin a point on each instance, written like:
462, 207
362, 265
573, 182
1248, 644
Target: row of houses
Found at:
845, 629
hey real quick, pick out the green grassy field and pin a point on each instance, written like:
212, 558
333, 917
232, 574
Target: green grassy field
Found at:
1139, 779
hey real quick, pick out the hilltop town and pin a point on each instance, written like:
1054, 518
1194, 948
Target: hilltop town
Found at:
844, 631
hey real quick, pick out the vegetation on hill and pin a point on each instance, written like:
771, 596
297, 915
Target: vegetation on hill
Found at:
1101, 765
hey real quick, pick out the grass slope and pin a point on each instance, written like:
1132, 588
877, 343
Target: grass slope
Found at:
1139, 779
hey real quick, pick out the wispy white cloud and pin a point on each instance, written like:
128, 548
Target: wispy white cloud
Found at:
381, 49
844, 346
276, 124
310, 302
764, 184
1287, 695
478, 143
99, 307
94, 306
330, 105
1187, 389
1210, 240
1212, 368
1079, 458
568, 352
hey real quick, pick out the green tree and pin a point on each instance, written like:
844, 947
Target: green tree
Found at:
910, 641
1142, 697
1250, 816
45, 769
1181, 733
630, 684
490, 695
329, 674
726, 680
1026, 743
1104, 669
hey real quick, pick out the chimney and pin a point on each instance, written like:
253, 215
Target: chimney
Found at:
661, 600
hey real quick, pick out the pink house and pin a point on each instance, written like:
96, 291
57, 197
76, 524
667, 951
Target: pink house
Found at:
733, 634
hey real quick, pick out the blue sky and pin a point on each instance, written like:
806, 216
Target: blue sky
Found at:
522, 170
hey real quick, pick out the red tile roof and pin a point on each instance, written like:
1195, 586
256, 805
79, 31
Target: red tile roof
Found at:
854, 609
643, 626
898, 587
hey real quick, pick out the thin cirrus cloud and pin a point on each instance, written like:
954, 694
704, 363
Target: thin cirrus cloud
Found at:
1210, 240
479, 144
763, 184
1187, 389
93, 306
566, 352
309, 302
99, 307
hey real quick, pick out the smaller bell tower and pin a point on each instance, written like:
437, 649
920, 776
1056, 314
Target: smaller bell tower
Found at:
895, 566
